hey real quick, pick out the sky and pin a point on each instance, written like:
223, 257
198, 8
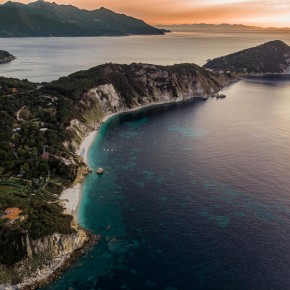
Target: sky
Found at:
250, 12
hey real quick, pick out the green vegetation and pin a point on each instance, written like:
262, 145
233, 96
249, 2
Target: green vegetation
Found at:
49, 19
35, 166
127, 81
271, 57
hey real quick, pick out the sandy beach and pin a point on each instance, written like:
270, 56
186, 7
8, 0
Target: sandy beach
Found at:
86, 144
71, 198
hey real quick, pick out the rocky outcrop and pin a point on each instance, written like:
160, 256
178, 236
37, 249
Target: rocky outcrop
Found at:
5, 56
55, 245
270, 58
47, 256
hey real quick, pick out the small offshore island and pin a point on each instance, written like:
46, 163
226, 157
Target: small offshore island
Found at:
5, 56
43, 145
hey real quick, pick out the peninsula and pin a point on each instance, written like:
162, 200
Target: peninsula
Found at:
45, 19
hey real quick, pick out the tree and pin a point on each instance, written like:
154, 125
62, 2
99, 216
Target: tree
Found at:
43, 167
6, 123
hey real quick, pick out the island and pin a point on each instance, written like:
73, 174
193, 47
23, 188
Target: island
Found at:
6, 56
272, 57
45, 19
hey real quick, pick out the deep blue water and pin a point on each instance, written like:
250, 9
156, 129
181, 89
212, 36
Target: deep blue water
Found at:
194, 196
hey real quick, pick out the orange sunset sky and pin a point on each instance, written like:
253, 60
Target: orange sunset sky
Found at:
249, 12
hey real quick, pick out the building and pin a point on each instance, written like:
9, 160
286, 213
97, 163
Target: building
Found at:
13, 214
45, 156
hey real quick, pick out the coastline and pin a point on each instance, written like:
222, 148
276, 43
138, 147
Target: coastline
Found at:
53, 269
71, 198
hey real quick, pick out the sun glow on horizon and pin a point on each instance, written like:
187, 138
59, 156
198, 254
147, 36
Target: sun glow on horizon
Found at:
263, 13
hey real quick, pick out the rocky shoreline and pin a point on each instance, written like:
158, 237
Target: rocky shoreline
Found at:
6, 57
52, 270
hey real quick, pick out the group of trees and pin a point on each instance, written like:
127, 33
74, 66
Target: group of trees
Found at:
31, 149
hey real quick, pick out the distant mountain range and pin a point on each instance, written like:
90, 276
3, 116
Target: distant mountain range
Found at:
46, 19
218, 27
272, 57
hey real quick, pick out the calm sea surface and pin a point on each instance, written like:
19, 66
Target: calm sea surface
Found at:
46, 59
195, 196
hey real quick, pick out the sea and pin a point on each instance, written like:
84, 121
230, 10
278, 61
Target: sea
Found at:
194, 195
46, 59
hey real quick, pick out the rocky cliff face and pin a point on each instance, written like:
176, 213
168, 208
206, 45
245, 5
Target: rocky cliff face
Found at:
43, 259
55, 245
115, 88
52, 252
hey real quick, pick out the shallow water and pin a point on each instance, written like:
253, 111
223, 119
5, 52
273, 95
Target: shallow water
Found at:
46, 59
194, 196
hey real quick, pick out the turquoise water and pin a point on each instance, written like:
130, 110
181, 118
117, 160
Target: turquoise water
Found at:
194, 196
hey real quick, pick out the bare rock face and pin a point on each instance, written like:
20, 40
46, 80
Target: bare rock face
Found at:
53, 252
44, 258
55, 245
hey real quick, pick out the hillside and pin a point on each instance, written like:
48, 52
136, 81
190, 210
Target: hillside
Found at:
5, 56
42, 18
269, 58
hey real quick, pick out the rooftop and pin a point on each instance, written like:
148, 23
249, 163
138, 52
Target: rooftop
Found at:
12, 213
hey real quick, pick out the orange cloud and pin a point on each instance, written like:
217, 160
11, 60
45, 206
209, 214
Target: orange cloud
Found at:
254, 12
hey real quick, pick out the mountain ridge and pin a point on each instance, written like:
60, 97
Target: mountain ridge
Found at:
44, 19
219, 27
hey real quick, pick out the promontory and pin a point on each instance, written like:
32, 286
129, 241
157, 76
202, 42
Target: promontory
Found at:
272, 57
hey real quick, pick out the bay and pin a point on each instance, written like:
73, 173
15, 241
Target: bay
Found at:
194, 196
